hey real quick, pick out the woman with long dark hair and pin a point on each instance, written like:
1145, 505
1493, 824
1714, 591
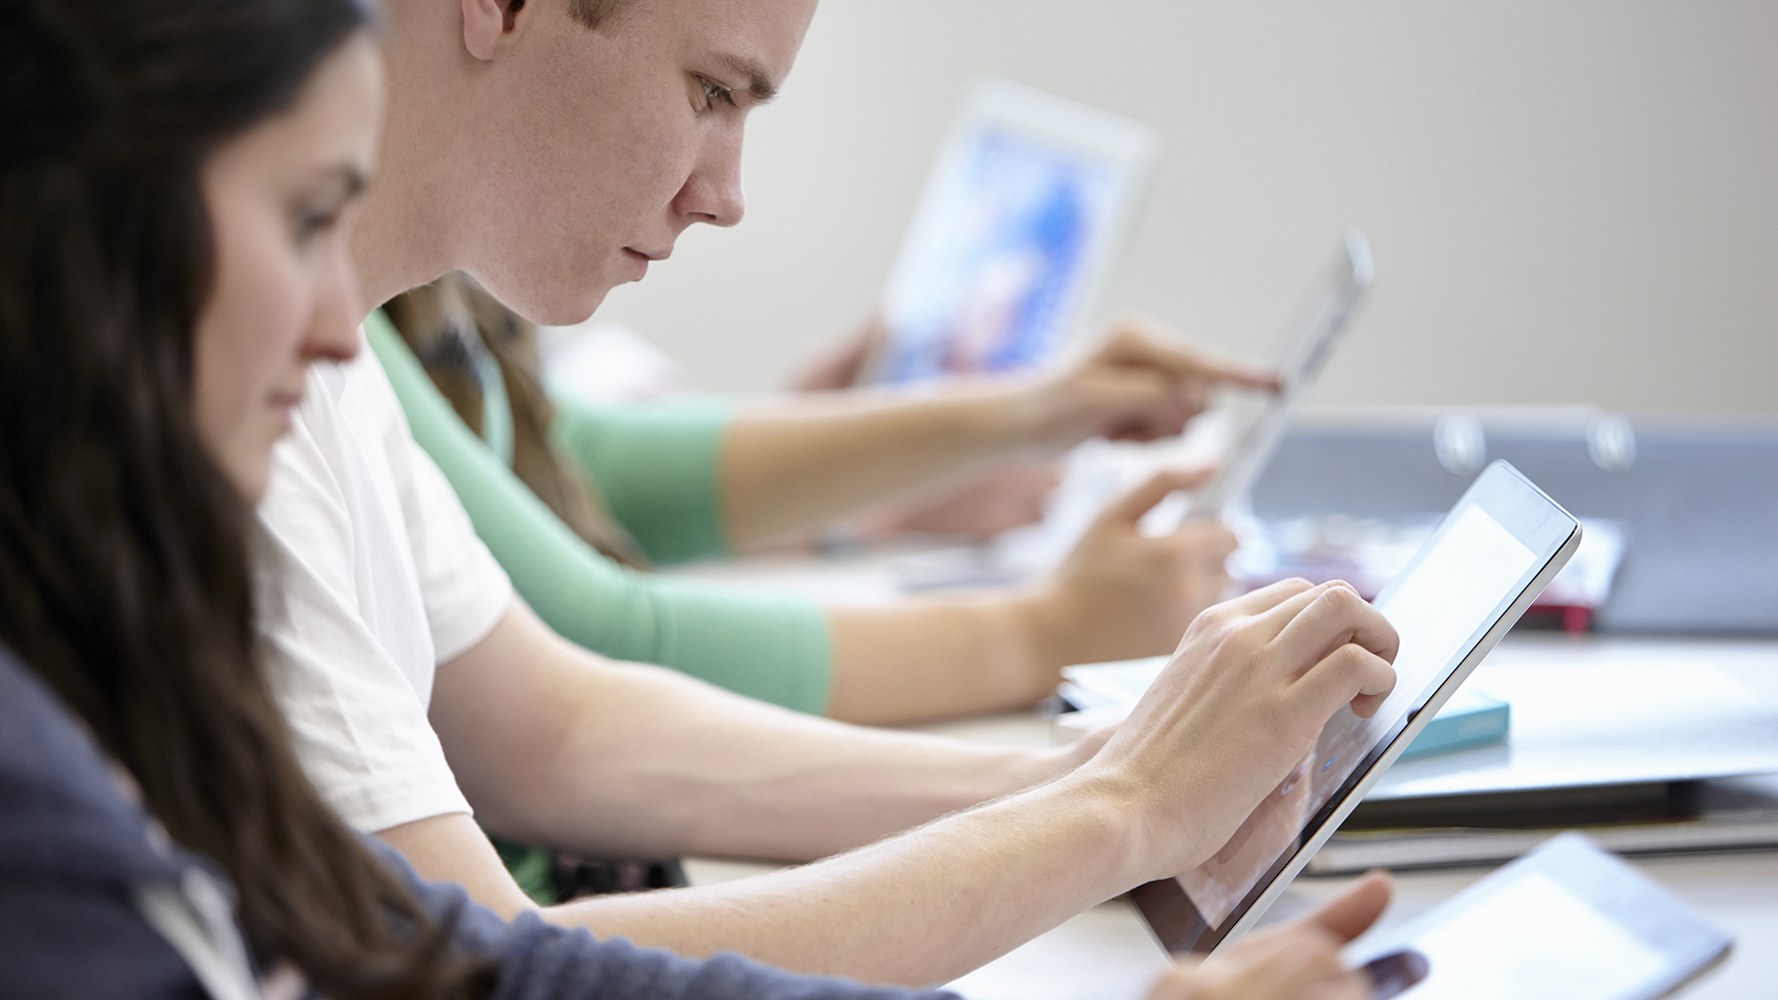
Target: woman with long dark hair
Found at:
130, 134
172, 176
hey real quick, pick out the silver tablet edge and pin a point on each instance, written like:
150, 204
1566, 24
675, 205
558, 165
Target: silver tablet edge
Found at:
1452, 682
1242, 469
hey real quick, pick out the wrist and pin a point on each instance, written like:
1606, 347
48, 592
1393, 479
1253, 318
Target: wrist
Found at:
1025, 413
1163, 828
1113, 801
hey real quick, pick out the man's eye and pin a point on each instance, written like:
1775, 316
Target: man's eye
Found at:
714, 93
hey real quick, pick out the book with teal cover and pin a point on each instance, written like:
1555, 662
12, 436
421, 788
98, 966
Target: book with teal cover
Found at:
1469, 719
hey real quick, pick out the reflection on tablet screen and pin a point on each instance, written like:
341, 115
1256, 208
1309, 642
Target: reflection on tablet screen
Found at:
1435, 606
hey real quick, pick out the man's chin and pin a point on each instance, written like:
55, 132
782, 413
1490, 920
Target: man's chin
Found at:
570, 309
552, 307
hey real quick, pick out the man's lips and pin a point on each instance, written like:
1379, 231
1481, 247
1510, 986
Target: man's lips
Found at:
642, 258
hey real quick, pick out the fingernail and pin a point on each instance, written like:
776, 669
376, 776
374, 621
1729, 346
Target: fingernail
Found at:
1394, 973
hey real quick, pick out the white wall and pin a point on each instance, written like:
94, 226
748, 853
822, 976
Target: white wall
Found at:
1568, 201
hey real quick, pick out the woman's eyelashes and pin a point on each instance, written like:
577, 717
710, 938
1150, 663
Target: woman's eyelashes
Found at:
315, 222
318, 212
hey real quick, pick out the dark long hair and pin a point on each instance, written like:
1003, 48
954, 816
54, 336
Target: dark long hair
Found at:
123, 547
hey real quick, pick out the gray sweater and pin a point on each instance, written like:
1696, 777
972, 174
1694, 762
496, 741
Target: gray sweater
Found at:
93, 906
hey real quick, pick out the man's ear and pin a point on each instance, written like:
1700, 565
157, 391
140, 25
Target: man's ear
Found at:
489, 25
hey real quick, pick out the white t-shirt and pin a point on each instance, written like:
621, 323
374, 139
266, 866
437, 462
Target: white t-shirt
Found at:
370, 575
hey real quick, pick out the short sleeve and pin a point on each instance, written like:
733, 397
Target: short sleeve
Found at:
464, 589
368, 577
357, 722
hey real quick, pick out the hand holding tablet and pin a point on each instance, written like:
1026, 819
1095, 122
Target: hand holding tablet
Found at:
1471, 580
1300, 959
1240, 705
1137, 382
1568, 921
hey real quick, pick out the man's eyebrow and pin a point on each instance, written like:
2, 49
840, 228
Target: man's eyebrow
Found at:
759, 82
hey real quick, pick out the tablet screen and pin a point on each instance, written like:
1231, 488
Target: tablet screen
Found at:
1468, 953
1013, 234
1461, 584
1566, 922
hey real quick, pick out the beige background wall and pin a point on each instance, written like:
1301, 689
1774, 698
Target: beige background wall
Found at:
1568, 201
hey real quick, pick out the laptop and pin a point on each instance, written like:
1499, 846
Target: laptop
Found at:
1693, 496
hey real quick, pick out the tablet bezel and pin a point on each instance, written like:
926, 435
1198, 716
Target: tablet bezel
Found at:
1552, 535
1129, 146
1316, 328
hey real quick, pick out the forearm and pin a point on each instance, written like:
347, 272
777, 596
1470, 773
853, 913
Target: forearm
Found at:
728, 776
788, 464
917, 909
553, 745
802, 462
538, 959
934, 657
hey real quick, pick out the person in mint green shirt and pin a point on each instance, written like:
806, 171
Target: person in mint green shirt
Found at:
768, 647
657, 472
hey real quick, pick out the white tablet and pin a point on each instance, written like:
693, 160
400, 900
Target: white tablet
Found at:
1307, 341
1470, 581
1565, 922
1027, 203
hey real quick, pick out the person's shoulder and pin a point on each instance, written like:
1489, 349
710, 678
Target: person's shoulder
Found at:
346, 403
350, 415
63, 814
40, 740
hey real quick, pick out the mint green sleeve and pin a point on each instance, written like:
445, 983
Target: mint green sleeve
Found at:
656, 465
773, 648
